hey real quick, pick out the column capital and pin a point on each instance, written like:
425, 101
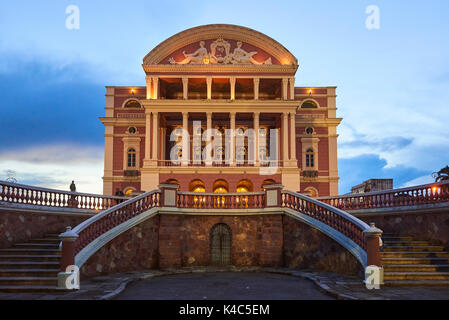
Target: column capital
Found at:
256, 113
185, 113
209, 114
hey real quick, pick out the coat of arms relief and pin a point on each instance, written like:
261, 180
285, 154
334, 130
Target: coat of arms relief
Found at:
220, 53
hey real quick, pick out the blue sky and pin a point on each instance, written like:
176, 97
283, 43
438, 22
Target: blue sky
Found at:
393, 83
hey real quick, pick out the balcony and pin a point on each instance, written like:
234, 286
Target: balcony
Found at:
202, 163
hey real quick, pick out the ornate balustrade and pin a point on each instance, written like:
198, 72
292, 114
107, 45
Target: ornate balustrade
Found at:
337, 219
22, 194
250, 200
412, 196
94, 227
202, 163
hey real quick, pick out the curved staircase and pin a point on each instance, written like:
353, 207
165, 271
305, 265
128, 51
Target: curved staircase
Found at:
408, 262
31, 266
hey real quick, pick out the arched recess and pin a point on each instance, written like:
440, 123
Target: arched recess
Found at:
266, 181
128, 191
220, 186
220, 245
309, 103
311, 192
197, 185
131, 103
244, 185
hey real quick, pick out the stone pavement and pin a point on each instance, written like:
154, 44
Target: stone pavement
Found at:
333, 285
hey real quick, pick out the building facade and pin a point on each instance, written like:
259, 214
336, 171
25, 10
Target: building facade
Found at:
220, 113
373, 185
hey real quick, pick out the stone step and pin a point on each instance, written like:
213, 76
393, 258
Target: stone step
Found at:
25, 257
414, 254
45, 240
25, 281
52, 235
29, 272
406, 243
416, 268
29, 264
30, 288
396, 238
414, 260
416, 276
25, 251
37, 245
413, 248
416, 283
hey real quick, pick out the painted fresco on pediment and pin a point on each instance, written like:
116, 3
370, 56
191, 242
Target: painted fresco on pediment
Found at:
220, 51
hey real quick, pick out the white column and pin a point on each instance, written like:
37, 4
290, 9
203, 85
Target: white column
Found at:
185, 88
232, 147
292, 136
155, 87
148, 79
185, 137
285, 88
292, 88
256, 137
285, 138
209, 88
232, 82
155, 134
147, 135
256, 88
208, 135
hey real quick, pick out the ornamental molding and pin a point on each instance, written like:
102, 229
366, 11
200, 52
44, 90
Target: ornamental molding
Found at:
220, 31
286, 70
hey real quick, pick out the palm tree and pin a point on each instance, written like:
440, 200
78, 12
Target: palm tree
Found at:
442, 175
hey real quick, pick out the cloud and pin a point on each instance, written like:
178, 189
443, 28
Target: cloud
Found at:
54, 154
44, 104
355, 170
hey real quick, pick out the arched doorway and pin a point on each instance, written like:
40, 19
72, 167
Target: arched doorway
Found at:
220, 245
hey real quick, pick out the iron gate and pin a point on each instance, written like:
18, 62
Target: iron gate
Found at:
221, 245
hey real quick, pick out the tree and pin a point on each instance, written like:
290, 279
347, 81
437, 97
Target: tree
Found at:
442, 175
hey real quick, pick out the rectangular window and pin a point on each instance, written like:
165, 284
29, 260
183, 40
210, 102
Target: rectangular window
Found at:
131, 160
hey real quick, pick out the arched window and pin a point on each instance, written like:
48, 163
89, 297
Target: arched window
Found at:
132, 104
311, 192
309, 104
197, 186
132, 158
128, 191
220, 186
310, 158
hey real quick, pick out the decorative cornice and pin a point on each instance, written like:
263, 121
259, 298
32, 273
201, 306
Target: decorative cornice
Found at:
286, 70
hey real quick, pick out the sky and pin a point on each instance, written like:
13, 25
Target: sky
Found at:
393, 82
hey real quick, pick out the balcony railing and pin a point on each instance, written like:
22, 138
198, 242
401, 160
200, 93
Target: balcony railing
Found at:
22, 194
202, 163
419, 195
249, 200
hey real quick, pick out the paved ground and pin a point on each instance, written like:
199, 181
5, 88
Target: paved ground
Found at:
224, 286
237, 283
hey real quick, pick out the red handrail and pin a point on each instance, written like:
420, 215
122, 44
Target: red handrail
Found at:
337, 219
29, 195
419, 195
99, 224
